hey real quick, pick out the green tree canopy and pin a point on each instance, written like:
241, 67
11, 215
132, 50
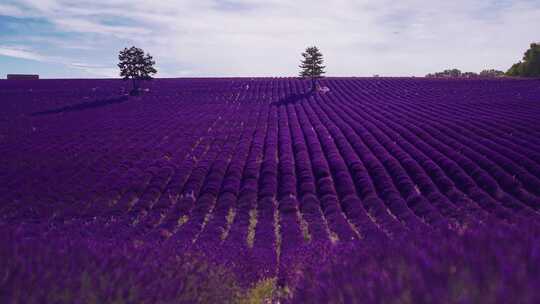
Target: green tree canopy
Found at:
312, 65
491, 73
455, 73
530, 64
136, 65
447, 73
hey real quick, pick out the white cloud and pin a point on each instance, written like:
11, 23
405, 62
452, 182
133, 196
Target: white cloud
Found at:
21, 52
107, 72
265, 38
11, 10
85, 26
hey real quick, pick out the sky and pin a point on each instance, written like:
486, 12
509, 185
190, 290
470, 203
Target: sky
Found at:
229, 38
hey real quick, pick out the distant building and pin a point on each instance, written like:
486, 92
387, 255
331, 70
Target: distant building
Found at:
22, 76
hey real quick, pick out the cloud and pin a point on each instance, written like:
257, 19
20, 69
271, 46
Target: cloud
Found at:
11, 10
21, 52
95, 69
265, 38
80, 25
106, 72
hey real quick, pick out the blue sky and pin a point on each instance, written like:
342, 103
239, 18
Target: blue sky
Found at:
81, 38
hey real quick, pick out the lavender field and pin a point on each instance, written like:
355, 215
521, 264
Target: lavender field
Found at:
379, 190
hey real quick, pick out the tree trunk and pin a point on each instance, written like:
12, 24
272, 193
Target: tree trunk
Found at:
135, 90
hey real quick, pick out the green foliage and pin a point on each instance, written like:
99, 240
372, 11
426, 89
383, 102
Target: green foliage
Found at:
455, 73
491, 73
515, 69
469, 75
447, 73
530, 64
135, 65
312, 64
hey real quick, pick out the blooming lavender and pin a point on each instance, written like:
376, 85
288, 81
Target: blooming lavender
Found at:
377, 190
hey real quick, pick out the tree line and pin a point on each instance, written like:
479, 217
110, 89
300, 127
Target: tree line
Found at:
136, 65
529, 66
456, 73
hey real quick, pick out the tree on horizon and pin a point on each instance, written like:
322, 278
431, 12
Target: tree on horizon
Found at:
453, 73
530, 66
136, 65
312, 65
491, 73
456, 73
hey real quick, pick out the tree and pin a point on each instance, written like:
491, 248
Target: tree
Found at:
530, 64
311, 66
447, 73
515, 69
491, 73
455, 73
136, 65
469, 75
